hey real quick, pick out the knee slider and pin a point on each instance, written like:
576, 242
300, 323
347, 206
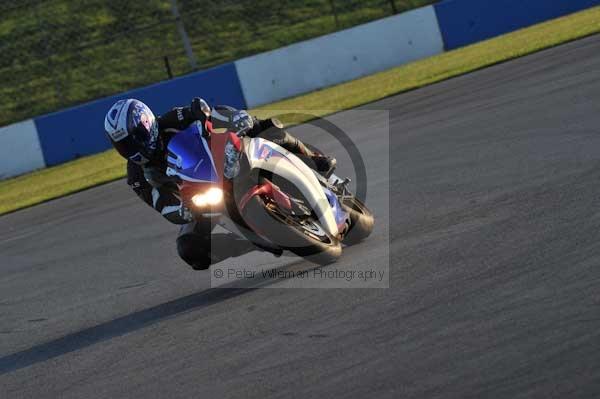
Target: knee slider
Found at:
190, 248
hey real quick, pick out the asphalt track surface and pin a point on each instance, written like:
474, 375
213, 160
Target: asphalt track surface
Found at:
494, 225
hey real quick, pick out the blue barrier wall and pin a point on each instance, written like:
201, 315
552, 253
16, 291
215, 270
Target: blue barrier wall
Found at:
79, 131
464, 22
65, 135
339, 57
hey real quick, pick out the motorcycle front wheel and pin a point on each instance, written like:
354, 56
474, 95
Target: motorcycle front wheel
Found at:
303, 236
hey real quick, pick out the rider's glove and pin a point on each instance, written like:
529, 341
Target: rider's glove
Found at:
200, 109
242, 121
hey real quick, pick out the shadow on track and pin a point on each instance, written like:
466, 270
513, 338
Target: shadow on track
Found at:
134, 321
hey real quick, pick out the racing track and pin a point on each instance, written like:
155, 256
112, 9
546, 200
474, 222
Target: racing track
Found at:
495, 247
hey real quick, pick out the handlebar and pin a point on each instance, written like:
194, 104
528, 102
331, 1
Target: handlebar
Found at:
242, 132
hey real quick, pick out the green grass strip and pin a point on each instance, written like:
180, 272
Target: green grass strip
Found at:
50, 183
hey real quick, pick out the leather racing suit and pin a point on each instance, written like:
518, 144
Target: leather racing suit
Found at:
152, 186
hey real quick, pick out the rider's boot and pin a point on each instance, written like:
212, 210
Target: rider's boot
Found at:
272, 129
324, 165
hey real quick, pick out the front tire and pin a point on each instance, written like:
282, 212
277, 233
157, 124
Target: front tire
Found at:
304, 238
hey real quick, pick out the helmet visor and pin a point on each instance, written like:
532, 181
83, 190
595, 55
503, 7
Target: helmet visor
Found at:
144, 127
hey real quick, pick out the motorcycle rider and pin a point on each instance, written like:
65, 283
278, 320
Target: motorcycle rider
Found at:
141, 138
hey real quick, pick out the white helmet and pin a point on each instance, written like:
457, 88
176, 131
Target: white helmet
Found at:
133, 130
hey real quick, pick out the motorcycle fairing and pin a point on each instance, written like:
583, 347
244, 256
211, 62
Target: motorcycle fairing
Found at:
264, 154
190, 158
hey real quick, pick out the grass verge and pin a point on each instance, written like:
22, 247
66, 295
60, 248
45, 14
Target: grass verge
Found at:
49, 63
50, 183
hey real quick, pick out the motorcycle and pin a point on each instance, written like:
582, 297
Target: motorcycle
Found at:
259, 191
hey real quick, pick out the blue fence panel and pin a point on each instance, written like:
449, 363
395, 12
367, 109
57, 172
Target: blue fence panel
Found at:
79, 131
463, 22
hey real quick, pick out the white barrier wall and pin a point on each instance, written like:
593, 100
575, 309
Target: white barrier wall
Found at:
20, 149
340, 56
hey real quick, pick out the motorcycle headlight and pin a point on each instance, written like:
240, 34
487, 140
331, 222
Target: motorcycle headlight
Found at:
213, 196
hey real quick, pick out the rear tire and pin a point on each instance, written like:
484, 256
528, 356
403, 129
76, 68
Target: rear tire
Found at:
306, 239
361, 221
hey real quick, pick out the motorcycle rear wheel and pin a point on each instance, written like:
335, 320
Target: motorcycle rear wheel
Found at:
361, 221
